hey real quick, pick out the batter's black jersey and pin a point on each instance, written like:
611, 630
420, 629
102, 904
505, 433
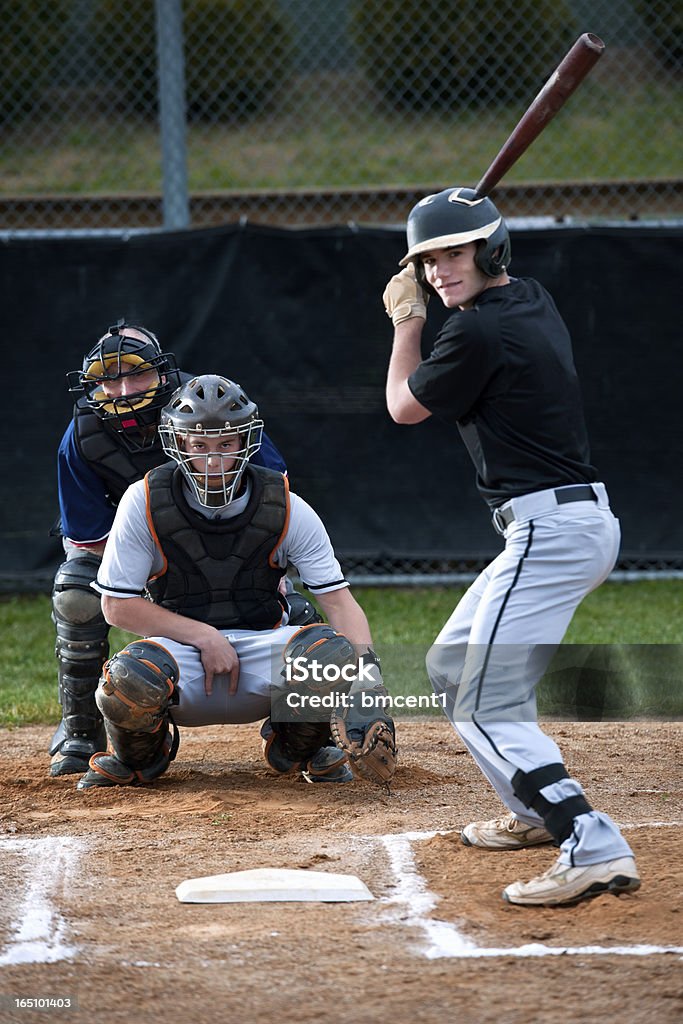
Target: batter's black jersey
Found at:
504, 373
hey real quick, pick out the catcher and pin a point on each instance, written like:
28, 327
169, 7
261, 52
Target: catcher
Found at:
193, 565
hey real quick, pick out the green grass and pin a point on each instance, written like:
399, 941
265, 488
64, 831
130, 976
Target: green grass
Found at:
28, 672
343, 142
637, 626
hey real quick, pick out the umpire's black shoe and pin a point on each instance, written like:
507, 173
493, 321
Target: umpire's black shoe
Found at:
72, 757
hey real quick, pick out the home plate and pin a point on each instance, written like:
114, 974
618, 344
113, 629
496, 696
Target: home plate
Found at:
284, 884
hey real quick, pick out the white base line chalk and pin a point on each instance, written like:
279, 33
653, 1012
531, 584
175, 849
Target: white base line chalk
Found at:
38, 931
443, 939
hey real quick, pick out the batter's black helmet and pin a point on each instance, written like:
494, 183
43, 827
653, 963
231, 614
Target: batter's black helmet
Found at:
120, 353
211, 406
454, 217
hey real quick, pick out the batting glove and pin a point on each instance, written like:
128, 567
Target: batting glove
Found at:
404, 297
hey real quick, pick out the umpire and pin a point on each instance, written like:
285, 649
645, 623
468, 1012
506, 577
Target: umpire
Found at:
502, 371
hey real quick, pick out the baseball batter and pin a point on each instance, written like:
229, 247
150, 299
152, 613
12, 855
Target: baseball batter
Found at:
502, 372
193, 565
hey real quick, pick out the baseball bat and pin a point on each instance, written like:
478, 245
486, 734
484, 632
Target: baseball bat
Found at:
568, 75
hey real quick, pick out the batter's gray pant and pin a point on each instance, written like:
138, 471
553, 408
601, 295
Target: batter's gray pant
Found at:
489, 657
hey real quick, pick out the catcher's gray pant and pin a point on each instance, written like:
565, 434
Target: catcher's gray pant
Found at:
260, 653
497, 644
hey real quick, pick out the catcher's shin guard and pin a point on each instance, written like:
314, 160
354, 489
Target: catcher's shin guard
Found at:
81, 648
136, 691
318, 660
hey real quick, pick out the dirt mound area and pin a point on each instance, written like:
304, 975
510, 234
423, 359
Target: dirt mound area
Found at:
89, 911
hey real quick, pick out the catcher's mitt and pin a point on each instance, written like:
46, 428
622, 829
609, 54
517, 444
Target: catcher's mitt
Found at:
371, 753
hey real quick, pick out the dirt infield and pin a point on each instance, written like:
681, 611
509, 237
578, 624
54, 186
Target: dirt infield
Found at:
89, 911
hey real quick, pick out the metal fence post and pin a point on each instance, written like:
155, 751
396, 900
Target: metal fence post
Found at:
172, 119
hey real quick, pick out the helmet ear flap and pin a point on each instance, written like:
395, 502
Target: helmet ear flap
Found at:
491, 258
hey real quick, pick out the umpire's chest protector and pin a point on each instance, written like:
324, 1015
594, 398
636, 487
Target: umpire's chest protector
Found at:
108, 457
219, 571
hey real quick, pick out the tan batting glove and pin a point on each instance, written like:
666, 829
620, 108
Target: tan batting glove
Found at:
404, 297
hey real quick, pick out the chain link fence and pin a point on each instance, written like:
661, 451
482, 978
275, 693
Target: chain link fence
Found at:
135, 114
363, 571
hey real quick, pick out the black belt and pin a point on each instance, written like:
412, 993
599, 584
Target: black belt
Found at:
563, 495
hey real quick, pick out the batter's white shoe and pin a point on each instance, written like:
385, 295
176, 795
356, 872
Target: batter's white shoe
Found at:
508, 833
562, 884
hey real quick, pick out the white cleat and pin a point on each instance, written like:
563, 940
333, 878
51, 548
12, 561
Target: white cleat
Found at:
562, 884
508, 833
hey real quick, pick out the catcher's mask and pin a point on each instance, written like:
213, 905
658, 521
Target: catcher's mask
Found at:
131, 353
216, 409
455, 217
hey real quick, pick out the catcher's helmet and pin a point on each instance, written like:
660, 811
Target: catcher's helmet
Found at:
454, 217
211, 406
120, 353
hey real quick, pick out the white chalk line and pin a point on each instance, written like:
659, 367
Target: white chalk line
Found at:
413, 903
39, 932
653, 824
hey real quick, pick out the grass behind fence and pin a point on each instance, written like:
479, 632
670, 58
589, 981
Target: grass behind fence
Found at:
353, 146
404, 622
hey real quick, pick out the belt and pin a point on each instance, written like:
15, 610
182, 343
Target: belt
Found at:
502, 517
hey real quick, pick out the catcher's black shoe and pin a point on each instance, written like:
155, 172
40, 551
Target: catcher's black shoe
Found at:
328, 764
93, 780
106, 769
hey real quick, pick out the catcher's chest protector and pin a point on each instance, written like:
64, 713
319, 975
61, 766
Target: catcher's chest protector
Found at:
219, 571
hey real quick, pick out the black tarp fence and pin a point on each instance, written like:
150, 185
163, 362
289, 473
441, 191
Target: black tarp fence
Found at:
296, 317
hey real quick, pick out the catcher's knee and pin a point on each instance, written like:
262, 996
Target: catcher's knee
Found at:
81, 645
318, 660
138, 686
76, 607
